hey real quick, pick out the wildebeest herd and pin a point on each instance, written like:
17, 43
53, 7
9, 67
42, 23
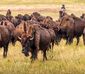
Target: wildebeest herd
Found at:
36, 32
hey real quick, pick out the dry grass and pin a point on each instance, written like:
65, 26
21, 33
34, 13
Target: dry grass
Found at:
34, 2
67, 59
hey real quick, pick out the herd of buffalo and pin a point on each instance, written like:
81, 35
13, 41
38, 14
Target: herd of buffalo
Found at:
36, 32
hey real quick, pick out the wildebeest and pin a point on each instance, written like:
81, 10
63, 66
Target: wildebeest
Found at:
72, 26
10, 28
53, 37
37, 38
67, 28
79, 27
48, 23
4, 39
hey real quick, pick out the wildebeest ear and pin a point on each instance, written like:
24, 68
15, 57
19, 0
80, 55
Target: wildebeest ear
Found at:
24, 27
31, 38
30, 30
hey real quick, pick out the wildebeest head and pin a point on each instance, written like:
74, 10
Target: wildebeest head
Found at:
26, 40
66, 22
35, 16
26, 17
25, 44
19, 16
82, 16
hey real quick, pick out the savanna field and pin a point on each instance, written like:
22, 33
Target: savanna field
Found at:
67, 59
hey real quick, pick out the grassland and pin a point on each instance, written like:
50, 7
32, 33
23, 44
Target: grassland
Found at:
33, 2
67, 59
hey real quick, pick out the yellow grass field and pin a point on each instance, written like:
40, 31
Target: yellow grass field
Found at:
67, 59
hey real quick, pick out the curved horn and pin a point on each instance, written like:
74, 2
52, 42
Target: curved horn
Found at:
19, 38
31, 38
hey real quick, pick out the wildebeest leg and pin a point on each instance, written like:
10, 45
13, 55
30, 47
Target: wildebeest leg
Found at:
13, 41
69, 37
34, 55
5, 51
84, 39
52, 49
67, 40
58, 39
44, 55
70, 40
77, 41
50, 46
53, 44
